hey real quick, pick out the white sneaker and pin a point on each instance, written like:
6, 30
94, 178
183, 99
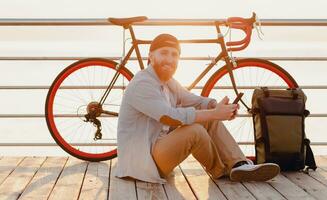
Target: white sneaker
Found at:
250, 162
250, 172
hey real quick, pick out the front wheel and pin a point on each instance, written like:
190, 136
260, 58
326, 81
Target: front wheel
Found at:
77, 90
248, 74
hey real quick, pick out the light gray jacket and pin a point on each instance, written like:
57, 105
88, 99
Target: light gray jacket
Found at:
143, 111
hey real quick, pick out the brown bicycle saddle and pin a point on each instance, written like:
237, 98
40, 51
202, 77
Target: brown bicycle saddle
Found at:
125, 22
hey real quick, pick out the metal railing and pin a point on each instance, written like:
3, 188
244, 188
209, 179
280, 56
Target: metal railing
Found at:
150, 22
154, 22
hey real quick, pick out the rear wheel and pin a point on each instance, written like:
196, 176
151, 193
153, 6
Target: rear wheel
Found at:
77, 90
248, 74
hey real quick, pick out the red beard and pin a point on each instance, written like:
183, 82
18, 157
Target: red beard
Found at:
164, 71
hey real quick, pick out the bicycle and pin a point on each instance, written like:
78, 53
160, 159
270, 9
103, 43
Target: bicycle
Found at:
82, 119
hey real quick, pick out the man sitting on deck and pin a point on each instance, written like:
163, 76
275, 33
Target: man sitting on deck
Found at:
161, 123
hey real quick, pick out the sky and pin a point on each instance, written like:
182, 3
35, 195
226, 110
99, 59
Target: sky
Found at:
161, 9
34, 37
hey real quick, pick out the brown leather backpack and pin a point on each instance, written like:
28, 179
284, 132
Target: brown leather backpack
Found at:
278, 118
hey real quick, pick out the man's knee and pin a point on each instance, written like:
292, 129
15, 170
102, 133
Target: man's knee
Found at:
199, 132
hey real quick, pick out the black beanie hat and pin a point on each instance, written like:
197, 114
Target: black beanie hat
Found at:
165, 40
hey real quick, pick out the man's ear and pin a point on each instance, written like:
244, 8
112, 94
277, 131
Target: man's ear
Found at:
151, 57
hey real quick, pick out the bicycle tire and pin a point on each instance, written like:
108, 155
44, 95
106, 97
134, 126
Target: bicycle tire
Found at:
93, 75
219, 85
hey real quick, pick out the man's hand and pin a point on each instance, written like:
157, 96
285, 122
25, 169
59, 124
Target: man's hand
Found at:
217, 111
224, 110
212, 104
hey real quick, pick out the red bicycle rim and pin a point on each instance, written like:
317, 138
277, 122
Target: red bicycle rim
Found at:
50, 115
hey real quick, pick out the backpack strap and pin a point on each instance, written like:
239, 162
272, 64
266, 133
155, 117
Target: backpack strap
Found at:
309, 158
306, 113
265, 91
295, 92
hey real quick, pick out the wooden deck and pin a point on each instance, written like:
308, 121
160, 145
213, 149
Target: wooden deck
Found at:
70, 178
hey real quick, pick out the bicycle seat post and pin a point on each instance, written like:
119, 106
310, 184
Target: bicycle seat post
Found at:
135, 46
124, 46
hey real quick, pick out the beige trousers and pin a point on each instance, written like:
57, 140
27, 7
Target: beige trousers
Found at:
210, 143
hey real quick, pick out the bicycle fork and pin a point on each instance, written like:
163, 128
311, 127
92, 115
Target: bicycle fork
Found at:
230, 63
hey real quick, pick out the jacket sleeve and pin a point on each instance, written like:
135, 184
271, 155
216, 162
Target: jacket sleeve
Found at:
186, 98
148, 98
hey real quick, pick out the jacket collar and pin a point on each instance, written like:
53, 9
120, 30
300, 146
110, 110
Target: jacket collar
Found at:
154, 74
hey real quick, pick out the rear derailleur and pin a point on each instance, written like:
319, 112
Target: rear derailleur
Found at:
94, 110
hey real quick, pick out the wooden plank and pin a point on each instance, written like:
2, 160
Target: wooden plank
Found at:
177, 187
44, 180
321, 162
96, 181
321, 172
308, 184
203, 186
288, 189
120, 188
7, 165
324, 156
320, 175
70, 181
262, 190
233, 190
15, 184
146, 190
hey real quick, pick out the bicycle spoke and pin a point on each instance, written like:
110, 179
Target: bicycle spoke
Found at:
256, 73
72, 96
76, 92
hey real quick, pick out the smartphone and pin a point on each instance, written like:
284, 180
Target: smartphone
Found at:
237, 99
